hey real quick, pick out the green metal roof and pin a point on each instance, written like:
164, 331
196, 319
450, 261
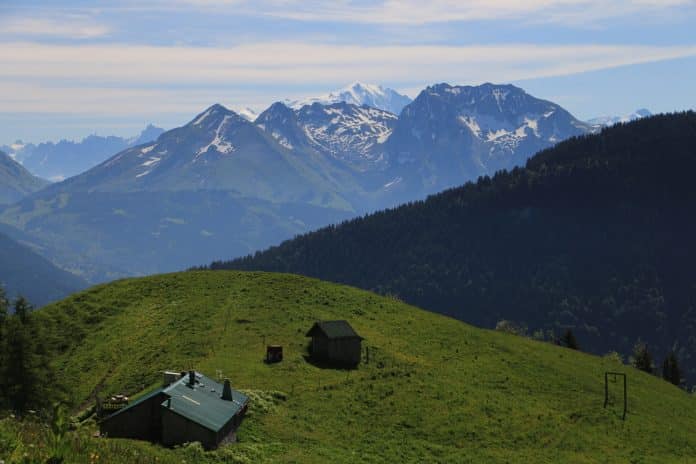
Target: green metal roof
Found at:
333, 329
203, 402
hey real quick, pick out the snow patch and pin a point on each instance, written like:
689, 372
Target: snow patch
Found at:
472, 124
392, 183
494, 135
282, 140
220, 144
151, 161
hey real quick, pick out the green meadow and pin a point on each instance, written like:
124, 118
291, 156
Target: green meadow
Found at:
434, 390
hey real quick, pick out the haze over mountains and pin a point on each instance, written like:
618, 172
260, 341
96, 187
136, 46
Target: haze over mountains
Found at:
15, 181
66, 158
222, 185
24, 272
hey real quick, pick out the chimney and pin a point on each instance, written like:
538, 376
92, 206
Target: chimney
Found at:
192, 378
227, 391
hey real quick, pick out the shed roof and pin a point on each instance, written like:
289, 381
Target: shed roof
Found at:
333, 329
202, 403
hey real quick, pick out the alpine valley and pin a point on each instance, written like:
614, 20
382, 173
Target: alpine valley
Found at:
223, 185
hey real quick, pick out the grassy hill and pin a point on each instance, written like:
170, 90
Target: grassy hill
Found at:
435, 390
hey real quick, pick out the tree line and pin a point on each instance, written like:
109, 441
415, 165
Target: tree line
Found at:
641, 357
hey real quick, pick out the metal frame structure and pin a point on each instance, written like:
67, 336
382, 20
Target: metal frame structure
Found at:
606, 390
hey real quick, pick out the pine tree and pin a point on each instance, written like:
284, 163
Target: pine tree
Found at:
670, 369
26, 373
642, 359
22, 308
569, 340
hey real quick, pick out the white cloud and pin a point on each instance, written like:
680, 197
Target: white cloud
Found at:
67, 27
136, 79
433, 11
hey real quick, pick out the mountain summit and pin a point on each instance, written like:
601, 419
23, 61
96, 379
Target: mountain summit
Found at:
360, 94
450, 134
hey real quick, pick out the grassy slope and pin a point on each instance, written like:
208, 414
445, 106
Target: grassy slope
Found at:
435, 390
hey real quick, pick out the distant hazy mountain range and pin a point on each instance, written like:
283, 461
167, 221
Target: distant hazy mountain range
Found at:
15, 181
223, 185
58, 161
604, 121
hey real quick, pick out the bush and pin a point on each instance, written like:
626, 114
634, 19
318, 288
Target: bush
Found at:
511, 327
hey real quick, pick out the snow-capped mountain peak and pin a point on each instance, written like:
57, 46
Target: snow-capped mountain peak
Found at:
247, 113
605, 121
359, 93
212, 115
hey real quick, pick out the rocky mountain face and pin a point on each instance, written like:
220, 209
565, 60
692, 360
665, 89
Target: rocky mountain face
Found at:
451, 134
15, 181
217, 150
340, 131
66, 158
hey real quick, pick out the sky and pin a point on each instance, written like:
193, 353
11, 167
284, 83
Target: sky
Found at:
73, 68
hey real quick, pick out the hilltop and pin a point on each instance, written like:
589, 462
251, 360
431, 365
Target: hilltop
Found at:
435, 390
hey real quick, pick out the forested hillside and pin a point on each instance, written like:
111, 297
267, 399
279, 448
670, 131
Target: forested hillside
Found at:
595, 235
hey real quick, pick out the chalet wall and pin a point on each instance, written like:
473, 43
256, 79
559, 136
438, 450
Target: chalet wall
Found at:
142, 421
177, 430
347, 350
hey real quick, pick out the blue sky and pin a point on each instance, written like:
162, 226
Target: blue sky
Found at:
78, 67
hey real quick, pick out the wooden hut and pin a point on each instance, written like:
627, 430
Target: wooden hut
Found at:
335, 342
192, 408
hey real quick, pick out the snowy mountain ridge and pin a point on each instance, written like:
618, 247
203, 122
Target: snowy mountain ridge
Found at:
605, 121
359, 94
342, 131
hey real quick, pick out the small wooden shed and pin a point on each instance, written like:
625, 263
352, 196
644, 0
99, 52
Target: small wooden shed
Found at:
335, 342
